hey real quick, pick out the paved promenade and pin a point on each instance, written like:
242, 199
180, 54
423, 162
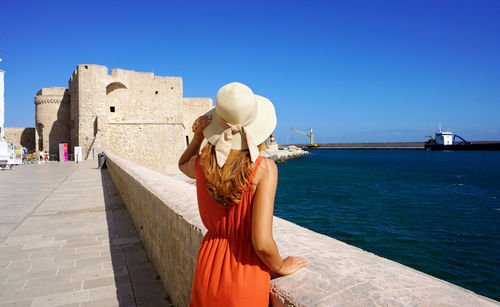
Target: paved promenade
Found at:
66, 239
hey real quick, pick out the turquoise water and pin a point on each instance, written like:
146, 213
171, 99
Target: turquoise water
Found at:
437, 212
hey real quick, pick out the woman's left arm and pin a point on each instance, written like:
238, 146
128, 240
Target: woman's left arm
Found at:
186, 161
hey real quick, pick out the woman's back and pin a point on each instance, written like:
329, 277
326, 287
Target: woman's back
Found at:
228, 272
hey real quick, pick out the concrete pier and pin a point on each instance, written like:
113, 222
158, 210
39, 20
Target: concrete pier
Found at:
66, 239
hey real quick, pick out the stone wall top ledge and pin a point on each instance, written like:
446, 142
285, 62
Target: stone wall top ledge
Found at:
338, 274
176, 194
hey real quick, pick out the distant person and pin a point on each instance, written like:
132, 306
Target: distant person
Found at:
235, 188
42, 157
46, 157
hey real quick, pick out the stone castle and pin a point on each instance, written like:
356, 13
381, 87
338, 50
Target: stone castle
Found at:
136, 115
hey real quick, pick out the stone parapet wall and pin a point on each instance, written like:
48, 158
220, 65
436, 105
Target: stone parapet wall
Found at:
166, 217
52, 91
165, 214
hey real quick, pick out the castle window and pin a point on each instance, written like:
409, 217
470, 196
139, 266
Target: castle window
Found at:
172, 88
112, 109
187, 140
156, 92
86, 67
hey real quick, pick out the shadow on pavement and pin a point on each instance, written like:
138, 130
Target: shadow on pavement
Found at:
137, 283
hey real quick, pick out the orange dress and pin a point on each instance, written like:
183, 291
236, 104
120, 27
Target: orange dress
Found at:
228, 271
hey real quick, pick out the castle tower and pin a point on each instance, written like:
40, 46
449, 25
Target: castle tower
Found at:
52, 120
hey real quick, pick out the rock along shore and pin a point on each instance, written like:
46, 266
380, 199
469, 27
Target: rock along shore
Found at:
287, 153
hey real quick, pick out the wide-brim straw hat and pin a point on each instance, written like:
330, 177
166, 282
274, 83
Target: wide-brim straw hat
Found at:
242, 118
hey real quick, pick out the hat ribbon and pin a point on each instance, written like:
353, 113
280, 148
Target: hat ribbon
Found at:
223, 146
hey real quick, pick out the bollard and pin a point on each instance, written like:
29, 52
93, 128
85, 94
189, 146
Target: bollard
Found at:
101, 160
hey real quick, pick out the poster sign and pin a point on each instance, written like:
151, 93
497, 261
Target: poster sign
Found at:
78, 154
19, 152
63, 152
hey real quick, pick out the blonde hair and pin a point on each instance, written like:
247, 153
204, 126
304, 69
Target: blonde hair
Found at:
226, 184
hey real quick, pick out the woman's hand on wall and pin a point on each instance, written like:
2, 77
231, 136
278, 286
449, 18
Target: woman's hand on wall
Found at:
292, 264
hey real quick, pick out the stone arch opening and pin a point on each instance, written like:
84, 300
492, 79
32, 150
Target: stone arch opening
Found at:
40, 136
114, 86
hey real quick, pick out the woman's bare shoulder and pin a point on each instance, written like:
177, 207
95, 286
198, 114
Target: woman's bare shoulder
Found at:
267, 168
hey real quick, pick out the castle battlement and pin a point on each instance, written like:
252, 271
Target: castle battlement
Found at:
50, 99
54, 90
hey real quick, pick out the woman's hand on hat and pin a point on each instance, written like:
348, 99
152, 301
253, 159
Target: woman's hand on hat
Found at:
200, 124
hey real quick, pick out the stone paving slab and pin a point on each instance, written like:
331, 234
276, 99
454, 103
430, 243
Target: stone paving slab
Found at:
66, 239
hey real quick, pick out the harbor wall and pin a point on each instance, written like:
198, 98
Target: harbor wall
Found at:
165, 213
371, 145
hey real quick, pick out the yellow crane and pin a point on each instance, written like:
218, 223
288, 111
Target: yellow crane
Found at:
310, 135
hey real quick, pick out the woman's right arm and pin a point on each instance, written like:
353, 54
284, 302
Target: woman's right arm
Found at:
186, 161
262, 223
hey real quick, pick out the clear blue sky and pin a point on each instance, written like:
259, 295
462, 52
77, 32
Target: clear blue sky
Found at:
351, 70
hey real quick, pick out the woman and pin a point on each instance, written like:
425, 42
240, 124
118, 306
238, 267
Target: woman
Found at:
235, 189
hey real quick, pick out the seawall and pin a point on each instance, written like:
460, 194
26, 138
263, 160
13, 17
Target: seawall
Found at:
373, 145
165, 213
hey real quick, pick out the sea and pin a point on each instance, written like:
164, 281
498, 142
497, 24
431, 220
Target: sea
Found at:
437, 212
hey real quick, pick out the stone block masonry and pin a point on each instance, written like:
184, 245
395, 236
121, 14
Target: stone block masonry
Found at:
136, 115
21, 136
51, 117
165, 213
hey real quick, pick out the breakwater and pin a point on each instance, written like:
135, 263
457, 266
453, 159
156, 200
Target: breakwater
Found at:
165, 214
380, 145
371, 145
285, 153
